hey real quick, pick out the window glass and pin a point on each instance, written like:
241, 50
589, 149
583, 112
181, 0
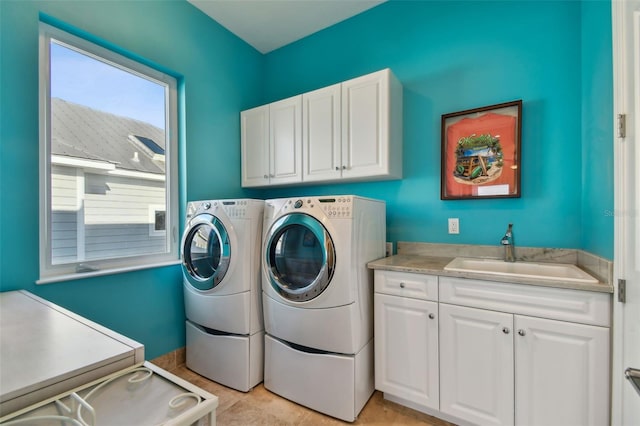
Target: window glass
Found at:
108, 147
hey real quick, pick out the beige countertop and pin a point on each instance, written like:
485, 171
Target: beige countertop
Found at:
434, 265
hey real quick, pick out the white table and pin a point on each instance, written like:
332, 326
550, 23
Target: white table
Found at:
46, 350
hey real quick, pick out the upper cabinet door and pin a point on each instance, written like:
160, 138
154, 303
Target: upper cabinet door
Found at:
321, 134
255, 146
372, 126
285, 158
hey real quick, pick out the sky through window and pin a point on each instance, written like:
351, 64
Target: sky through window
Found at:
80, 79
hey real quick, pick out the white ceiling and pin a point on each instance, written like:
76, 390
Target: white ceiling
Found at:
270, 24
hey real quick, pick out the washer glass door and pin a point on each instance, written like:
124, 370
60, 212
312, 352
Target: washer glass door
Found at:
299, 257
206, 252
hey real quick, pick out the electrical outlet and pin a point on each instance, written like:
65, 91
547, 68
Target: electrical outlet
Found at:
389, 250
454, 225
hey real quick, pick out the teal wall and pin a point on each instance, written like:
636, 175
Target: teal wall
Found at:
219, 75
597, 129
449, 56
454, 55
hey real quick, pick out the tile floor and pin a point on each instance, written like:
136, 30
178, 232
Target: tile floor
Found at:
261, 407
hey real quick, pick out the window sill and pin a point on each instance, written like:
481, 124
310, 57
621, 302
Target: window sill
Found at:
83, 275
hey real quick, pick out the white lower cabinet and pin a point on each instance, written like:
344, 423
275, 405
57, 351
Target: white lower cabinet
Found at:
402, 323
562, 373
498, 363
406, 337
477, 365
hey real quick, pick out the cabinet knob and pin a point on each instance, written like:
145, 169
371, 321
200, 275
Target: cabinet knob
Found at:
266, 176
505, 330
521, 332
344, 167
431, 316
337, 168
401, 285
272, 175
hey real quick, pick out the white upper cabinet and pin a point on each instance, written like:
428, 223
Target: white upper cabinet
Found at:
271, 143
285, 141
254, 124
372, 126
348, 131
322, 145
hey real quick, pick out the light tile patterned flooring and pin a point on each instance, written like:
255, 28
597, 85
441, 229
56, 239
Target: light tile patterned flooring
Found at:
262, 407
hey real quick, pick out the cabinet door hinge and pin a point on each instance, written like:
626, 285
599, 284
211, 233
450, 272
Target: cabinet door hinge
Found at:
622, 126
622, 291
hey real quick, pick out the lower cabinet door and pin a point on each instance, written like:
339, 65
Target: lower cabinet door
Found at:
476, 365
406, 349
562, 373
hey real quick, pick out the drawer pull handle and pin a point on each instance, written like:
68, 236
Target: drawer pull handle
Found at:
401, 285
431, 316
521, 332
505, 330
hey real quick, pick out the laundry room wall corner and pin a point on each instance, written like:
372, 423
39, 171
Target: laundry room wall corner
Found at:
221, 76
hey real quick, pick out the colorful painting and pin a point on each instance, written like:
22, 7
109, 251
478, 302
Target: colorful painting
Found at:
481, 152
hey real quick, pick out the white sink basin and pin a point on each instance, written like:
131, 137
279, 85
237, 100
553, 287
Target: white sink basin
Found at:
544, 271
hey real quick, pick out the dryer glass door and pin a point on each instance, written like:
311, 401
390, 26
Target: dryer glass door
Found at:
300, 257
206, 252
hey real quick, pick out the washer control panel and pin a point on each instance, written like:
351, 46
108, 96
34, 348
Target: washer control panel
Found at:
233, 209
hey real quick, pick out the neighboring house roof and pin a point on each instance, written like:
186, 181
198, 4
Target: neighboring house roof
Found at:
82, 132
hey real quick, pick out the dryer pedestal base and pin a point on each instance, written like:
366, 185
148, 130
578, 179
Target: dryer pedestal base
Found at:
231, 360
334, 384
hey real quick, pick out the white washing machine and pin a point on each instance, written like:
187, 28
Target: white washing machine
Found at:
318, 299
220, 253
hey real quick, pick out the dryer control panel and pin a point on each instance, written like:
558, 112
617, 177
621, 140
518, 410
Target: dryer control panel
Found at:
340, 207
337, 207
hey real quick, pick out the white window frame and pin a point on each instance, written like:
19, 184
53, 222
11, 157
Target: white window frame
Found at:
83, 269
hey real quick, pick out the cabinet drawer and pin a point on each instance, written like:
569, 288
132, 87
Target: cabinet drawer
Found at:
417, 286
554, 303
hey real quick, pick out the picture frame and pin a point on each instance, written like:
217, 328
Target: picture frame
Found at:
480, 152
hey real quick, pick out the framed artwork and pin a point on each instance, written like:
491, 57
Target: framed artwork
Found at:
481, 152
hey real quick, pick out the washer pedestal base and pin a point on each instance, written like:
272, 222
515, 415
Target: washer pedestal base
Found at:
334, 384
231, 360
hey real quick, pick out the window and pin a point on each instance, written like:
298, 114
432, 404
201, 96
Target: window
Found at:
108, 148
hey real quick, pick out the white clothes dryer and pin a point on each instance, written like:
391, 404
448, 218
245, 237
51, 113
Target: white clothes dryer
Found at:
317, 287
220, 253
318, 299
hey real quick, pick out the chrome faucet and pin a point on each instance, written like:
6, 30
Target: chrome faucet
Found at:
509, 247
